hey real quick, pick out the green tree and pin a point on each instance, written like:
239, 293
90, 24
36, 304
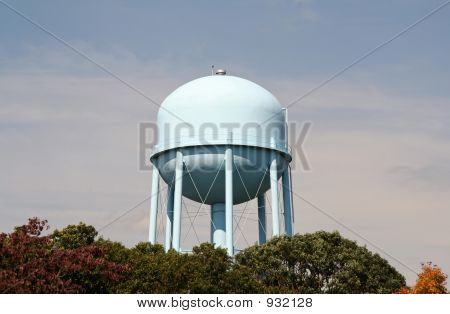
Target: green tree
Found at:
206, 270
114, 251
211, 270
320, 262
151, 270
240, 279
74, 236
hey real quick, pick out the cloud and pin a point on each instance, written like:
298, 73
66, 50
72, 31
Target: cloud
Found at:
302, 10
435, 177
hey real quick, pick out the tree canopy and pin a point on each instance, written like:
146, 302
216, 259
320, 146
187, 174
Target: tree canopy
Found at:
31, 263
74, 236
74, 260
320, 262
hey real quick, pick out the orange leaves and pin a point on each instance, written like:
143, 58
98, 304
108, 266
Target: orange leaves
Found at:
430, 281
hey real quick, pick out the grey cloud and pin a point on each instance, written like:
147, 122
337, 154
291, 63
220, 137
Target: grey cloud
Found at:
432, 176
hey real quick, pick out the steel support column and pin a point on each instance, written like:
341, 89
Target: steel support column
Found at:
177, 202
287, 201
274, 196
169, 217
153, 206
262, 218
229, 200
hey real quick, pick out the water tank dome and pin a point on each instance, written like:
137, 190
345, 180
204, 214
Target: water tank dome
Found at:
221, 109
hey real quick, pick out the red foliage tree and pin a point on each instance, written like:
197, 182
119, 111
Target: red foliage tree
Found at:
30, 263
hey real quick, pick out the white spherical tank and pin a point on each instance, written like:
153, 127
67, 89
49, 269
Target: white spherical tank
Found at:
205, 116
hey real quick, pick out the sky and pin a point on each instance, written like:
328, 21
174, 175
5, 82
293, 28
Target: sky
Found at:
378, 149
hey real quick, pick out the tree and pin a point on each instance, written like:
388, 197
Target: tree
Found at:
240, 279
74, 236
154, 271
148, 268
31, 263
206, 270
211, 270
114, 251
72, 261
320, 262
430, 281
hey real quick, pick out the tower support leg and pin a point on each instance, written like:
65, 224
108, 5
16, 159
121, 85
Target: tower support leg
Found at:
177, 202
287, 201
262, 218
274, 196
153, 206
169, 217
229, 200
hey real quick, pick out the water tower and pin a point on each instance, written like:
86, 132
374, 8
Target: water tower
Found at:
222, 141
